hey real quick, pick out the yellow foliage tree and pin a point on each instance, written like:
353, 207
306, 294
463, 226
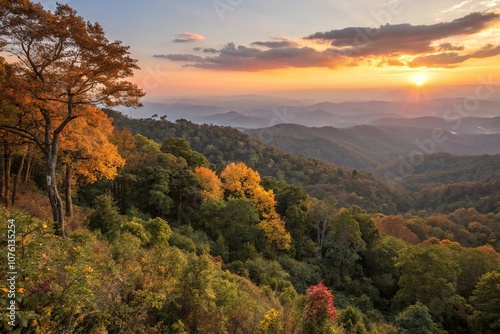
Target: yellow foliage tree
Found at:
210, 183
241, 180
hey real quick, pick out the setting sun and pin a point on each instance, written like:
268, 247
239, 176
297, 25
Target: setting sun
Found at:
419, 79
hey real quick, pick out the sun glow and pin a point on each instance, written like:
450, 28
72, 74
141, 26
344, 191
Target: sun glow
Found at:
419, 79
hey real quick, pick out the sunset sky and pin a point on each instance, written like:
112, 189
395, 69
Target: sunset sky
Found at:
224, 47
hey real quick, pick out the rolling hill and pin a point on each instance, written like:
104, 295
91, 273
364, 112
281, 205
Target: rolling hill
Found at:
222, 145
368, 146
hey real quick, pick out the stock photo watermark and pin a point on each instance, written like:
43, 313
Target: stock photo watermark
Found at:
154, 77
453, 116
224, 6
11, 272
280, 116
378, 19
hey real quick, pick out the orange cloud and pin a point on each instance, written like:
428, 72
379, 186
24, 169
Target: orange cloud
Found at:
397, 45
188, 37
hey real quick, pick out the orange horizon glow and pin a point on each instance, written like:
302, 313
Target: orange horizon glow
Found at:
172, 81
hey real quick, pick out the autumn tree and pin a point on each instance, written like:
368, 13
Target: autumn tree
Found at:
64, 63
210, 183
320, 311
241, 181
93, 158
395, 226
11, 145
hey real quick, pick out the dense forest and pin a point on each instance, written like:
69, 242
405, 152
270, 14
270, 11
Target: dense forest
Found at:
366, 146
151, 226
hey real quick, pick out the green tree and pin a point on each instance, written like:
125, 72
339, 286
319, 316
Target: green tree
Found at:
160, 231
486, 302
323, 213
239, 226
428, 275
180, 148
416, 319
294, 204
105, 216
351, 319
343, 244
379, 267
474, 263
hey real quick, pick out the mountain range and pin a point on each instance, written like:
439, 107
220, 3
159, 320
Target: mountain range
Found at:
367, 146
354, 134
258, 112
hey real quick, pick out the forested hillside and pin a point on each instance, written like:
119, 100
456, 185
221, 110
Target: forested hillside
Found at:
114, 225
444, 183
368, 146
222, 145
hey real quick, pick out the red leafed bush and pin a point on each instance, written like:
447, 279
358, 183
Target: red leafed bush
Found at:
319, 304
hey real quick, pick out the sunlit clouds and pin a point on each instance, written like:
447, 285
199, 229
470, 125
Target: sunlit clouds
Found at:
188, 37
403, 45
185, 48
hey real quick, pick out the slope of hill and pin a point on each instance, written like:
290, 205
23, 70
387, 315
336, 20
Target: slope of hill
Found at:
367, 146
283, 111
444, 183
222, 145
469, 125
233, 119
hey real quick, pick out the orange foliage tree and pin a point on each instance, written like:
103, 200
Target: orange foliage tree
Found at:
93, 158
395, 226
63, 63
210, 183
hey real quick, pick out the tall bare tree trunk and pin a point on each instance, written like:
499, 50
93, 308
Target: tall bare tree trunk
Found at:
69, 201
18, 178
2, 171
6, 174
28, 165
56, 202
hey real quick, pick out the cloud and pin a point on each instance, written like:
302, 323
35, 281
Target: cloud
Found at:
206, 50
446, 59
489, 3
185, 57
451, 59
211, 50
487, 51
188, 37
403, 38
456, 7
389, 45
277, 42
450, 47
242, 58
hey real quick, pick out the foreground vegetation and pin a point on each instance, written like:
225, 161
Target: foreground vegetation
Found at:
172, 246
